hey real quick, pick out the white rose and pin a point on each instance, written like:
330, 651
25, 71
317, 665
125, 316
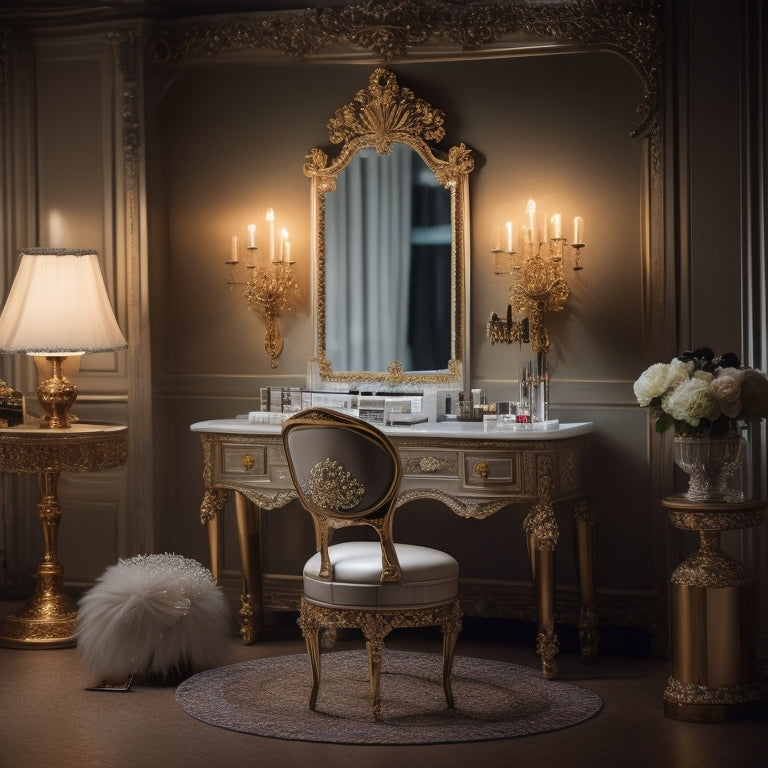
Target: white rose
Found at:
691, 402
726, 389
652, 383
659, 379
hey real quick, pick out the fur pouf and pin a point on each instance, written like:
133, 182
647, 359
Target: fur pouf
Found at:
156, 615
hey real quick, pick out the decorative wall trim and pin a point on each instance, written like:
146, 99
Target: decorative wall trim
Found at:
393, 29
130, 241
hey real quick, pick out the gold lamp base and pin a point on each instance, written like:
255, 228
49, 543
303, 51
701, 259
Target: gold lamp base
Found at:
56, 396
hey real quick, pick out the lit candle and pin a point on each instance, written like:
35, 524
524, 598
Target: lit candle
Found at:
283, 241
252, 235
287, 250
234, 248
509, 236
530, 209
271, 233
557, 226
578, 230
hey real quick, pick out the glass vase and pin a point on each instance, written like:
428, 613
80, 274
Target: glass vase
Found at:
709, 462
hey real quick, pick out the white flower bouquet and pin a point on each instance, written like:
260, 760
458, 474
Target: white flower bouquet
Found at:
700, 393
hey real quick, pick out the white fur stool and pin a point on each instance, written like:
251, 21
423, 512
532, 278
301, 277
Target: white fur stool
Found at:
157, 615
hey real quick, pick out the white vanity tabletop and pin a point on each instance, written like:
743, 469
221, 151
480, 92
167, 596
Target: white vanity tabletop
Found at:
468, 430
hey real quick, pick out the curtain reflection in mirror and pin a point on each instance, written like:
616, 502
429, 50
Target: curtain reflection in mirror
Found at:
388, 264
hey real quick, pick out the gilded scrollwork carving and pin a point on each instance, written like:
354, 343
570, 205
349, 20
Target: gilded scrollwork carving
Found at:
430, 464
378, 113
540, 522
547, 646
212, 504
332, 486
274, 499
694, 693
713, 569
393, 29
724, 520
71, 453
476, 509
250, 619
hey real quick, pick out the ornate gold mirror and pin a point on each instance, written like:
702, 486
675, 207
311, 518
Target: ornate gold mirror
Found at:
389, 220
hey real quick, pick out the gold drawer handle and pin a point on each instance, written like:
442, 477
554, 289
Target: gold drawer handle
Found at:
248, 461
481, 468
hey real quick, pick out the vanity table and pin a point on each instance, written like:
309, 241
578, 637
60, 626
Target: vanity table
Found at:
474, 473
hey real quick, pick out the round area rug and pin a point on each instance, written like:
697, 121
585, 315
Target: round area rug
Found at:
494, 700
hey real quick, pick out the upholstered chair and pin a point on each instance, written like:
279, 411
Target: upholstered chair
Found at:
347, 473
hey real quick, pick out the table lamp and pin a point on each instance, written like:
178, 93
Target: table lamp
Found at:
58, 307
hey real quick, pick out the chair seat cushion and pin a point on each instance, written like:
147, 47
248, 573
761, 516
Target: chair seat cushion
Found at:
429, 577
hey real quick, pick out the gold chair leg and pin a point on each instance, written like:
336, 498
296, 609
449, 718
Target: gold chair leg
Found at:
375, 647
310, 629
449, 646
312, 640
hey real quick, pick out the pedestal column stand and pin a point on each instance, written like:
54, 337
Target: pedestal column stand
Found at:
714, 615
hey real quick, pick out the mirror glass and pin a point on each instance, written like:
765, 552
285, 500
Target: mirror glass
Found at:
388, 255
389, 224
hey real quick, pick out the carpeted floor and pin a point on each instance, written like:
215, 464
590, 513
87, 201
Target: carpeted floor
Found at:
494, 700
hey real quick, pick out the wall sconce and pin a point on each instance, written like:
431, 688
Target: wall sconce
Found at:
57, 308
267, 287
538, 286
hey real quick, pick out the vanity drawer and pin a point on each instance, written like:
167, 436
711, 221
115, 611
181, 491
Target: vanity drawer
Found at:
498, 472
239, 461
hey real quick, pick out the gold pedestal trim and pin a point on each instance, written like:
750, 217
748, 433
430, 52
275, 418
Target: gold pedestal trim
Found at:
47, 620
696, 703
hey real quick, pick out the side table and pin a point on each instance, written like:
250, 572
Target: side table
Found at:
48, 618
714, 614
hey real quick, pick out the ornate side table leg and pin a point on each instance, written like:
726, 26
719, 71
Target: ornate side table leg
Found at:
542, 534
584, 524
49, 617
249, 537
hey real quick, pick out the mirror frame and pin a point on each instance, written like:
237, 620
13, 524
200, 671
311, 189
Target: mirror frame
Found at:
380, 115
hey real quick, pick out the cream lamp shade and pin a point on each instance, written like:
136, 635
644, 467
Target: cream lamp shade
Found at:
57, 307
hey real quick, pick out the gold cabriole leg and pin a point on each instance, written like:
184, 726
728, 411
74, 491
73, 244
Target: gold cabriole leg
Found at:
542, 534
49, 617
212, 505
589, 637
249, 538
543, 571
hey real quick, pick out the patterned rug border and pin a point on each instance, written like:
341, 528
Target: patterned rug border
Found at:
494, 700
